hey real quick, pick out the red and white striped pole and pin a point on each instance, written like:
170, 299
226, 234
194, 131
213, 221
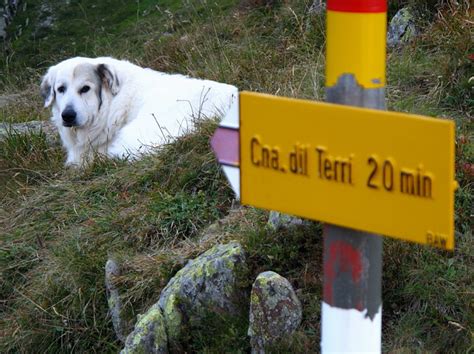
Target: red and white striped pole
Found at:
355, 75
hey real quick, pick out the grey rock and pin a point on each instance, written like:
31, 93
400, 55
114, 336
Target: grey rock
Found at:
317, 7
35, 127
46, 23
207, 284
46, 16
275, 311
113, 298
277, 220
3, 27
149, 335
46, 20
402, 28
7, 99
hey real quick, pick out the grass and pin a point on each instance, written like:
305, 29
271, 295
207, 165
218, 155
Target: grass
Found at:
52, 261
417, 316
58, 227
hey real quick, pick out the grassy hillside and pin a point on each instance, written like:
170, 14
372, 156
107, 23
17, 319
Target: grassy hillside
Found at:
57, 226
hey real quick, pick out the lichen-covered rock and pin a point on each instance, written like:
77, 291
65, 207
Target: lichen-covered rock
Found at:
275, 311
207, 284
149, 335
113, 298
401, 28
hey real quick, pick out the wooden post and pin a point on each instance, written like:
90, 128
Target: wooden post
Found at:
355, 75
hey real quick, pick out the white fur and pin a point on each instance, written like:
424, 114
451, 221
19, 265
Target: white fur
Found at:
128, 111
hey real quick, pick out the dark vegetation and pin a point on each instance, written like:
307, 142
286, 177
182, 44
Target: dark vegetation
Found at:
57, 226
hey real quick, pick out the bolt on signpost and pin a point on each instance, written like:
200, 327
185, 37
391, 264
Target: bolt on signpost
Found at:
366, 169
355, 76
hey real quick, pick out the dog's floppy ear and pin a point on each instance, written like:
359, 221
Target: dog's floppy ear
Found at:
109, 78
47, 87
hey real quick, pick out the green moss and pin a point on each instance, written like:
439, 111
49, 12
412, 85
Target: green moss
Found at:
174, 319
149, 330
111, 302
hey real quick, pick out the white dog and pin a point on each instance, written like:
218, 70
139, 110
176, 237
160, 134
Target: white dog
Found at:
118, 109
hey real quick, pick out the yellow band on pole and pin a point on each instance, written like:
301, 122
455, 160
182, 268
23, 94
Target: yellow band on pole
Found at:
356, 45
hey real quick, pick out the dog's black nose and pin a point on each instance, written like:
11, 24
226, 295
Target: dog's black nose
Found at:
69, 117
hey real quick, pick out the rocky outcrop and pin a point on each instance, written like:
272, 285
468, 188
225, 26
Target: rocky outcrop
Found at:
206, 285
275, 311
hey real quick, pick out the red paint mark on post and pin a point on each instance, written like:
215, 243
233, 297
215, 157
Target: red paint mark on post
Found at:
342, 258
361, 6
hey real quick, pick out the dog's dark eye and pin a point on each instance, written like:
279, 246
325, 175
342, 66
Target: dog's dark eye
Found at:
84, 89
61, 89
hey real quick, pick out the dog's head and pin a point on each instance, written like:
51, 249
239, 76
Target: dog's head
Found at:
77, 88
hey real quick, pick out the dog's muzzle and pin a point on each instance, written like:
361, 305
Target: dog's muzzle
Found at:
69, 117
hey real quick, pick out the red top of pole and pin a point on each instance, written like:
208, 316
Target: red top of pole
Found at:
357, 5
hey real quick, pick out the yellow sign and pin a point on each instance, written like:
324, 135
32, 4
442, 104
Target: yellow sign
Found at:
376, 171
